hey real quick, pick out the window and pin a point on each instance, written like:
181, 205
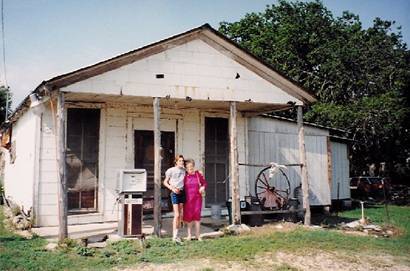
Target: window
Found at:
83, 129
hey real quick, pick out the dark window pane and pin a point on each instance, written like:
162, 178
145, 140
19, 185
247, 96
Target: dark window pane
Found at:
73, 200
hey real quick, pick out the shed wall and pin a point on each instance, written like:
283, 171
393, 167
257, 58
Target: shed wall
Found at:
20, 176
272, 140
340, 171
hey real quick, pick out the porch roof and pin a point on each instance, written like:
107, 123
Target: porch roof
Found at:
247, 108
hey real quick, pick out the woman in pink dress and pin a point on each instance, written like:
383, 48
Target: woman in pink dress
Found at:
194, 186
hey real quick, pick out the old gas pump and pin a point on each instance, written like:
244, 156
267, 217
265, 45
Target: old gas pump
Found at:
132, 183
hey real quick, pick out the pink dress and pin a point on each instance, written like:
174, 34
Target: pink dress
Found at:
193, 199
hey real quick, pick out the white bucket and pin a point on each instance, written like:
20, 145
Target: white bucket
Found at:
216, 211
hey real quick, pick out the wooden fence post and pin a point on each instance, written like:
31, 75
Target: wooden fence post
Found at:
233, 139
303, 161
61, 153
157, 167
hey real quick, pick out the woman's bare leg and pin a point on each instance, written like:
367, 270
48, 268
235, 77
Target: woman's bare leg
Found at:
197, 229
176, 222
189, 230
181, 214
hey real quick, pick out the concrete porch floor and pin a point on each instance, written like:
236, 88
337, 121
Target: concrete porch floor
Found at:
208, 225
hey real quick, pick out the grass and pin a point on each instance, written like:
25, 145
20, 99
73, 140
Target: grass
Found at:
245, 247
17, 253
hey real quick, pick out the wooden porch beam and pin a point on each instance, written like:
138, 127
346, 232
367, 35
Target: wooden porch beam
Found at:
303, 161
157, 167
234, 166
61, 153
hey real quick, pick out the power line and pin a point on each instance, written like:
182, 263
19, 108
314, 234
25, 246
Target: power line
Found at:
3, 37
4, 43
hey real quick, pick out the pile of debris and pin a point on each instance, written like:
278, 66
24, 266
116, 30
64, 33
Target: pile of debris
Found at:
367, 228
17, 217
364, 226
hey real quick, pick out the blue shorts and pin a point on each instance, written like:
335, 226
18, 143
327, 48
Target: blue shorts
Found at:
178, 198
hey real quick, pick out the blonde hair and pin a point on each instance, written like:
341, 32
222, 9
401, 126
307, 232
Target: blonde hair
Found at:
190, 161
177, 158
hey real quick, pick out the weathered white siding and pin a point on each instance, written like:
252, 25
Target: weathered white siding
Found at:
260, 140
340, 171
19, 178
272, 140
193, 69
188, 125
115, 136
47, 195
117, 125
242, 131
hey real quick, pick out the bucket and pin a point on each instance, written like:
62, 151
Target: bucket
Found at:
255, 219
229, 207
216, 211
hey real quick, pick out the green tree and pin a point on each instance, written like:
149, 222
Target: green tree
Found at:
361, 76
4, 94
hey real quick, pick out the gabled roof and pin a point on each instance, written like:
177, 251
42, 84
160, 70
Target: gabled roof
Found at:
205, 33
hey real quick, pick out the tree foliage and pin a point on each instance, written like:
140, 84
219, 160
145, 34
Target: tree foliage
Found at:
361, 76
3, 101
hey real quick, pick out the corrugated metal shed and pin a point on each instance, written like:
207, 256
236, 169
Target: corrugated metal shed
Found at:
340, 171
274, 140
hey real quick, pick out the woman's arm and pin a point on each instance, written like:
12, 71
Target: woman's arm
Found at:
167, 184
202, 179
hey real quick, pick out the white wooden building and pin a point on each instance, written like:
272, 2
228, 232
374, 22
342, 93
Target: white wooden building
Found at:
100, 119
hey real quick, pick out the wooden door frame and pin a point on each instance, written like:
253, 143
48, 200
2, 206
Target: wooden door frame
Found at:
203, 115
140, 149
99, 214
169, 123
145, 121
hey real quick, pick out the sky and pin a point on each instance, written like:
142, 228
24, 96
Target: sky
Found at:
45, 38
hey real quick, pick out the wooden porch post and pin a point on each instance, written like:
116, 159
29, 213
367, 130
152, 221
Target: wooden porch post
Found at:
234, 168
302, 155
61, 153
157, 167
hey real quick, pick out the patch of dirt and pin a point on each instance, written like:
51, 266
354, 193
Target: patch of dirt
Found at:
198, 265
274, 227
309, 261
320, 260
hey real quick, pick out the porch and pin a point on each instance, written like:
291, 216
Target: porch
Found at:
126, 136
208, 227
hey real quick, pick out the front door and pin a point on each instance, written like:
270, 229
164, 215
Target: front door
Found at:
144, 158
83, 129
216, 160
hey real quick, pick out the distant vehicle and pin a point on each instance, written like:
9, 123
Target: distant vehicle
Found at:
363, 187
400, 195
